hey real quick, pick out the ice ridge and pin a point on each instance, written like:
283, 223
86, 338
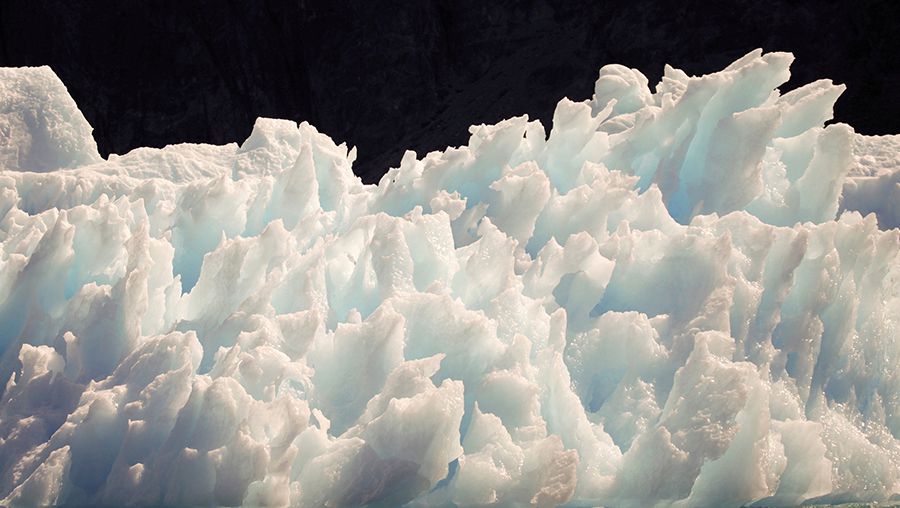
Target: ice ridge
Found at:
684, 297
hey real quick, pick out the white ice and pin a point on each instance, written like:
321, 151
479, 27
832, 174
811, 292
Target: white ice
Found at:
680, 297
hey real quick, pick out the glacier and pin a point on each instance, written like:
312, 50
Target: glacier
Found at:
681, 297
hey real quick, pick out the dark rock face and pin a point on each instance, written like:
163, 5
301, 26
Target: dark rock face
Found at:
390, 75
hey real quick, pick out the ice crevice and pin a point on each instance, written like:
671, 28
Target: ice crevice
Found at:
680, 297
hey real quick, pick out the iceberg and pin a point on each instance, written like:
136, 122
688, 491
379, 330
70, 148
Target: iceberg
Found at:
681, 297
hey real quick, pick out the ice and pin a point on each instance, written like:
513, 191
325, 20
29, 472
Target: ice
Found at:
685, 296
42, 128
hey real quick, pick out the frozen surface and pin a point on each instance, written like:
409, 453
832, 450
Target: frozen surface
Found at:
41, 128
874, 186
670, 300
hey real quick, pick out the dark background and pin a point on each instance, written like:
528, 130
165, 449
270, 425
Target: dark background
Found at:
386, 75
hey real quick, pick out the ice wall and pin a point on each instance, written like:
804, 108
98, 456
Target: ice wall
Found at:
665, 302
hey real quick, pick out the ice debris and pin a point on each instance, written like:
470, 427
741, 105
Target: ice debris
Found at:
671, 300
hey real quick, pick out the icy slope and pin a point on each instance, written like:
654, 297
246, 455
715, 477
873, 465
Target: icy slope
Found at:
662, 303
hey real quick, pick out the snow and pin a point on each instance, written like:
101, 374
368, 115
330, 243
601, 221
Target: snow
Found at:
686, 297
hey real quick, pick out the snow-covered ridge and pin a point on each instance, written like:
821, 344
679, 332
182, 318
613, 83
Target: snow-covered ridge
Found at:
671, 300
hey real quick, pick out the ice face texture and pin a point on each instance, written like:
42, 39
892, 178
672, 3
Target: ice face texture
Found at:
41, 128
671, 300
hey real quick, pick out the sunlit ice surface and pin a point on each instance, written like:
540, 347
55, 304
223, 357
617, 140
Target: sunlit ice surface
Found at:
680, 297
